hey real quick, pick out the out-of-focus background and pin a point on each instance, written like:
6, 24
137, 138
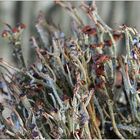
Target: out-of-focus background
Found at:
114, 13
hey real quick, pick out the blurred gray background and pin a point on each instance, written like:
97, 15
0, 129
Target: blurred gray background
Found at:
114, 13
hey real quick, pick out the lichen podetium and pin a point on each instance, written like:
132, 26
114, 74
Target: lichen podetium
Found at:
78, 87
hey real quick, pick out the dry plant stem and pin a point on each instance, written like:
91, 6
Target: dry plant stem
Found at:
69, 75
127, 43
107, 115
62, 68
72, 12
8, 71
87, 9
86, 127
130, 129
5, 64
78, 17
11, 134
43, 35
45, 77
19, 55
101, 113
89, 98
44, 95
70, 120
92, 115
81, 67
126, 83
20, 120
37, 49
122, 117
46, 135
106, 27
128, 88
56, 94
86, 69
110, 106
95, 123
59, 62
92, 129
87, 130
44, 62
53, 99
34, 121
113, 45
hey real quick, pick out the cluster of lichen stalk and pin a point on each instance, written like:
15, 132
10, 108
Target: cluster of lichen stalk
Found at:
71, 89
